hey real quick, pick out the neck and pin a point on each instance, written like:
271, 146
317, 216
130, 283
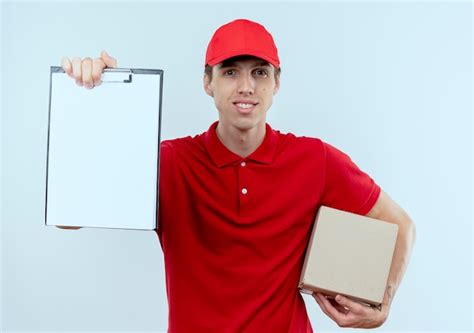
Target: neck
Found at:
240, 142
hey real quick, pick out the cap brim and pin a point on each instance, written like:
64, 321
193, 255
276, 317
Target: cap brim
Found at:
221, 58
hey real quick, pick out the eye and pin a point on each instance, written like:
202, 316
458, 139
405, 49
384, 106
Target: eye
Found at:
261, 72
229, 72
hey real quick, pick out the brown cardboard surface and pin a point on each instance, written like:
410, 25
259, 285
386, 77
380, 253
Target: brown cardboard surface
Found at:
349, 254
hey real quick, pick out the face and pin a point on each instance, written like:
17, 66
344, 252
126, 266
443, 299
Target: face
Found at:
243, 90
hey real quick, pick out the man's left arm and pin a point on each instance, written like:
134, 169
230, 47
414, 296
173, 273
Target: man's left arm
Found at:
347, 313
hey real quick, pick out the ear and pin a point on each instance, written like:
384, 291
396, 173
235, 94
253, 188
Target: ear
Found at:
207, 85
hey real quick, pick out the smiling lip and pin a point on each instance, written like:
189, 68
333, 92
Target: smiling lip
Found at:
245, 107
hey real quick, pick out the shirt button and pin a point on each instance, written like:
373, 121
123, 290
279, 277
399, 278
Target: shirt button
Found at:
244, 191
242, 164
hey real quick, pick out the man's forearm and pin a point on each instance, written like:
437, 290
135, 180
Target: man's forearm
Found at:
401, 257
386, 209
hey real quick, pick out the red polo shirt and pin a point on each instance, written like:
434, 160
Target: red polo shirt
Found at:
234, 230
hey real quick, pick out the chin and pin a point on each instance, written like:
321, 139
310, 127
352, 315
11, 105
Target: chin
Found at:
245, 124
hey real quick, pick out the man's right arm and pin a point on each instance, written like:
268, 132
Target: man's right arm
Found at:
86, 72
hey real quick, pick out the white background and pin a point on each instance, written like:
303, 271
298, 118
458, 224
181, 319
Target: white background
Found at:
389, 83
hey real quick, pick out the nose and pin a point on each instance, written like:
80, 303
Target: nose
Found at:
246, 85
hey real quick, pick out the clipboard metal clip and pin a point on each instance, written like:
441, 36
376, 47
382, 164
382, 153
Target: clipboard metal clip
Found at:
116, 75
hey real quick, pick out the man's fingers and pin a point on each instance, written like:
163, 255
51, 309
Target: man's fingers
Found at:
318, 297
357, 315
87, 73
339, 307
77, 70
333, 313
350, 304
108, 60
67, 66
68, 228
97, 67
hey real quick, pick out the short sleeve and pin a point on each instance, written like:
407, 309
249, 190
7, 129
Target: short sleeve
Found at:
346, 187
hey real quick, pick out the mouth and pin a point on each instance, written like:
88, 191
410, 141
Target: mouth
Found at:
245, 107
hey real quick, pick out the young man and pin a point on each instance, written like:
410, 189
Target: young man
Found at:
237, 202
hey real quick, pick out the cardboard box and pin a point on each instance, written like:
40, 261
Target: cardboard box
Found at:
350, 255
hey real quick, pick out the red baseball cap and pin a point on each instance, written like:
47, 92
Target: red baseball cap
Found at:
242, 37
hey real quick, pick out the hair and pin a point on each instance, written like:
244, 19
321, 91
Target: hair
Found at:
208, 68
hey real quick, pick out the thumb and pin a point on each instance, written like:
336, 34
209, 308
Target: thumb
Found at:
108, 60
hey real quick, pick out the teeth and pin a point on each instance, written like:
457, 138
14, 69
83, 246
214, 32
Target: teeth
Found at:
244, 106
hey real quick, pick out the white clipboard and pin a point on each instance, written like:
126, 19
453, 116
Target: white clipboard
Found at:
103, 150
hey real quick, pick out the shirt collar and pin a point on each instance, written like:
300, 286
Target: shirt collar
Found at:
222, 156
